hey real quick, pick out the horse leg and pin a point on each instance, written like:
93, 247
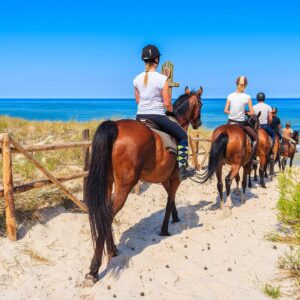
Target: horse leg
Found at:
291, 160
121, 193
249, 180
171, 187
255, 171
246, 172
220, 185
175, 217
262, 166
237, 179
228, 180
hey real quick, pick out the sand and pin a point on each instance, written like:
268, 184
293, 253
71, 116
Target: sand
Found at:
207, 256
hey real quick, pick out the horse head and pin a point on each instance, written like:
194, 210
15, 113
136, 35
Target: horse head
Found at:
187, 108
253, 121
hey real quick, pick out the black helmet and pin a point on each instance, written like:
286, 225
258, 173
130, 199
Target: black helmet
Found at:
260, 97
149, 53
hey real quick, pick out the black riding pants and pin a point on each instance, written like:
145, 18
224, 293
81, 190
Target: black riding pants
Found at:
166, 125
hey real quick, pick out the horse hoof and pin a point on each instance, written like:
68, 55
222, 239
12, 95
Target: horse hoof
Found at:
175, 220
164, 233
90, 279
263, 185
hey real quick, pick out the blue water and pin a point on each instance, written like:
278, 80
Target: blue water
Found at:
88, 109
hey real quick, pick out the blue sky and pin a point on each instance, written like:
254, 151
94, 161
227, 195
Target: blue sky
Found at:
90, 49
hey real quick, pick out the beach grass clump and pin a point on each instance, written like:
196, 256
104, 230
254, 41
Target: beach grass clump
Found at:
289, 200
272, 291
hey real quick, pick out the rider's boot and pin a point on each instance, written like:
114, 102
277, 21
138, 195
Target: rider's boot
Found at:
184, 171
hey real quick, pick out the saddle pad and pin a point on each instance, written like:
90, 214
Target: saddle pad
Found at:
167, 140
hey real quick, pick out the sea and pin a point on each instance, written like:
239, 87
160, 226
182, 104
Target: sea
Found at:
91, 109
101, 109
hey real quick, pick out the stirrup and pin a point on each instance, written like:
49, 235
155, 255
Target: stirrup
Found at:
185, 172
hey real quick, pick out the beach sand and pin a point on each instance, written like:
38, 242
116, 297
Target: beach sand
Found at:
207, 256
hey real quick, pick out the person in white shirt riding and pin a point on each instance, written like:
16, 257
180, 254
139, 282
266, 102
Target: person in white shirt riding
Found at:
151, 91
266, 116
235, 108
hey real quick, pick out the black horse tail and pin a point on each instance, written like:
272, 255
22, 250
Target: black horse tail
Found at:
98, 200
216, 155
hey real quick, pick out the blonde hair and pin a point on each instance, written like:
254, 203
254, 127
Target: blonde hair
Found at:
147, 65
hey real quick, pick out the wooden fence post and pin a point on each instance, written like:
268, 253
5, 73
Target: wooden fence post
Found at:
86, 160
8, 187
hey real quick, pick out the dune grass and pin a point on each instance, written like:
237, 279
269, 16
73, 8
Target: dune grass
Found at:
272, 291
289, 201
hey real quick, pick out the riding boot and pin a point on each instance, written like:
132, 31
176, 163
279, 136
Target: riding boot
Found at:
272, 146
184, 171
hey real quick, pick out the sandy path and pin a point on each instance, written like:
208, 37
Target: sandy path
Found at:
207, 256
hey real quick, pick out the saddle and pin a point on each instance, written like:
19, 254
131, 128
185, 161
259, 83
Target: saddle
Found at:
231, 122
168, 141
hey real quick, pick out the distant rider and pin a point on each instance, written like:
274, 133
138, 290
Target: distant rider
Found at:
276, 123
287, 134
151, 91
235, 108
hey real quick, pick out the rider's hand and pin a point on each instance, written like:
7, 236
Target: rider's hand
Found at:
170, 113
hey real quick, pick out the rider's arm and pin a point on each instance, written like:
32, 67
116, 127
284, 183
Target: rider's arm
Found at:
226, 109
137, 96
167, 97
251, 112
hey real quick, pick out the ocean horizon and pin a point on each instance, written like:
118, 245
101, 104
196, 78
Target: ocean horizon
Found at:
85, 109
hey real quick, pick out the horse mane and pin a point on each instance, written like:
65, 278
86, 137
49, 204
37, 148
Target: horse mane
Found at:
181, 105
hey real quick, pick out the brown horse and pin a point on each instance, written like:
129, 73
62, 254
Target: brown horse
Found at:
288, 150
275, 155
124, 152
264, 153
230, 145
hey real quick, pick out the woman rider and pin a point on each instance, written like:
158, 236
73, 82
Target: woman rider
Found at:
151, 91
235, 108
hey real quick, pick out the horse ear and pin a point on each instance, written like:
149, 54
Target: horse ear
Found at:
187, 90
200, 91
259, 114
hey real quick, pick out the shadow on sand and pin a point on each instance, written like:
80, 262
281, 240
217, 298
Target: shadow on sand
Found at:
145, 233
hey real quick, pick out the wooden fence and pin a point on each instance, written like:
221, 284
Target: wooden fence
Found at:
10, 146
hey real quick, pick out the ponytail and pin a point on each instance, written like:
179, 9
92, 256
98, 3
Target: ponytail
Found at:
148, 65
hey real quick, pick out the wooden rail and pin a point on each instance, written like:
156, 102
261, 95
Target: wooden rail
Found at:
9, 146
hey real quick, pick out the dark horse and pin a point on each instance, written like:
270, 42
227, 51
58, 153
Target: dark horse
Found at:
288, 149
230, 145
123, 152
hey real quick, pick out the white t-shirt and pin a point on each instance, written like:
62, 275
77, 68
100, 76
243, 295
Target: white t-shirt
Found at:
265, 109
237, 101
151, 101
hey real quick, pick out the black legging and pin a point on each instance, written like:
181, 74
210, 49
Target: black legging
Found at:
166, 125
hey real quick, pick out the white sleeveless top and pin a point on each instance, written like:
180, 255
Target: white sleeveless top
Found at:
151, 101
237, 101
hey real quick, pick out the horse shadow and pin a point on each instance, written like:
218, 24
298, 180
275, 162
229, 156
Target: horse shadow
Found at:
143, 234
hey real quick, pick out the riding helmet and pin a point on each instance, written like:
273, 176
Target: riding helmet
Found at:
149, 53
260, 97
